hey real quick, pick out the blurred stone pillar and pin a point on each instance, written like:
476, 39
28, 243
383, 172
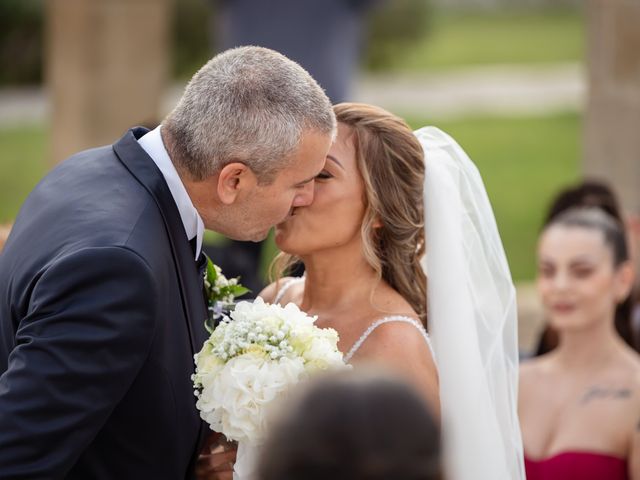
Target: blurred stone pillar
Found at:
107, 69
612, 133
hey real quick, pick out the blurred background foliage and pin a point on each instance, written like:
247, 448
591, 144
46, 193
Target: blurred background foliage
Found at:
21, 41
395, 28
403, 35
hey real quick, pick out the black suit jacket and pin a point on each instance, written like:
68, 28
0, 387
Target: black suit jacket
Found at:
101, 312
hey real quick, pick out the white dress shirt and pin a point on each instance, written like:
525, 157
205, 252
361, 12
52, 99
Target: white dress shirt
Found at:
152, 143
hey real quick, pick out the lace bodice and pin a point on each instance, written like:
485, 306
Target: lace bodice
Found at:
381, 321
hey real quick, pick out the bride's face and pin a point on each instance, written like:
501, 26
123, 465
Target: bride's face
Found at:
334, 218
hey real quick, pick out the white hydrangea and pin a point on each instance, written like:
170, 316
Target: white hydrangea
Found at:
253, 359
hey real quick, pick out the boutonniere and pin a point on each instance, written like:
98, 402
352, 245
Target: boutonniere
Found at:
220, 292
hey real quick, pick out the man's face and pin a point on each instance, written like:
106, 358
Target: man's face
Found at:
268, 205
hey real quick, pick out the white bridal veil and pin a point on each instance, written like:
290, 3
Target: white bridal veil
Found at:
472, 317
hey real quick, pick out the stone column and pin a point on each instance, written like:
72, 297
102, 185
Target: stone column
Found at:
107, 69
612, 132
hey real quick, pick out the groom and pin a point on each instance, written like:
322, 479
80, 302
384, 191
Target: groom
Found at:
101, 304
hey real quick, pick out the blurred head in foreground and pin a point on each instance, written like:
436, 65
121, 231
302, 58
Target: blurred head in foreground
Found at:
353, 426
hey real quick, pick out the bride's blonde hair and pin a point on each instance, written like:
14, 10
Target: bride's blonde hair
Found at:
391, 162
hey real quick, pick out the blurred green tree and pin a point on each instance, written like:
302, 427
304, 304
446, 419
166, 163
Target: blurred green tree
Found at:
394, 28
21, 32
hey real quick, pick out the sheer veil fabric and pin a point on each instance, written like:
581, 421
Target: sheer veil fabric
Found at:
472, 317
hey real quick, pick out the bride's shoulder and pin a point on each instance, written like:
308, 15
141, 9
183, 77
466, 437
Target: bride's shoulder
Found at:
403, 347
396, 336
270, 292
280, 287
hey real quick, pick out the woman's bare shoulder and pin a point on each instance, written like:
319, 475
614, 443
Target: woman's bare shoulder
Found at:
630, 362
401, 347
270, 292
390, 302
532, 370
397, 340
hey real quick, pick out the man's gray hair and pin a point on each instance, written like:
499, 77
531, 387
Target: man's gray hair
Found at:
247, 104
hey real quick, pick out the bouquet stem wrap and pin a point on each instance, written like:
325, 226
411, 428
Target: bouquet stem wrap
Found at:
246, 464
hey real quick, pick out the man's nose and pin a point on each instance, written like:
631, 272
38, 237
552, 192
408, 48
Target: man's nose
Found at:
305, 196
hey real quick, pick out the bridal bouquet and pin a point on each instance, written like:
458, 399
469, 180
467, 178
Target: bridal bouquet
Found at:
250, 362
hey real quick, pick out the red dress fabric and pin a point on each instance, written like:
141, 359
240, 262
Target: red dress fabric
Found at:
577, 466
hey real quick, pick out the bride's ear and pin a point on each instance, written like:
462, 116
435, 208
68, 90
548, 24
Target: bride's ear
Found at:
377, 222
233, 180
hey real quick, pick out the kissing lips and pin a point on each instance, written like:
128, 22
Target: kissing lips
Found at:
292, 213
288, 217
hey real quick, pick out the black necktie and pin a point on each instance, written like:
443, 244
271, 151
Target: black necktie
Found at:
201, 261
201, 266
194, 245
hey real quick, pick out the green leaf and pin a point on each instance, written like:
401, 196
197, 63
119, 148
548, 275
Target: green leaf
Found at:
212, 276
208, 324
238, 290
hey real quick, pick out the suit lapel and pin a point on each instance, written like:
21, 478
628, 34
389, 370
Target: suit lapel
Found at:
142, 167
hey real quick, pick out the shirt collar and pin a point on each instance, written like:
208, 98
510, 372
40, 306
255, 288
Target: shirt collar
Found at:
152, 143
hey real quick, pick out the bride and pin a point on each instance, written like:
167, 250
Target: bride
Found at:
362, 242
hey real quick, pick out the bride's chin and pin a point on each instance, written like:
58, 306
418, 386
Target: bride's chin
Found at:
281, 240
285, 243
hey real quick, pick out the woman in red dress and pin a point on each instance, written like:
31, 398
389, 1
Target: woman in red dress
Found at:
579, 405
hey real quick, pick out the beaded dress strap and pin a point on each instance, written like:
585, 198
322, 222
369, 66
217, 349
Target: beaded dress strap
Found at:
377, 323
286, 286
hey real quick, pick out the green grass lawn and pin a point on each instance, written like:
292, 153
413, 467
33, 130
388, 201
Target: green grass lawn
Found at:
22, 164
511, 37
523, 160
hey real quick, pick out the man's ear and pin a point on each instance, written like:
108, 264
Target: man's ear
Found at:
234, 179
